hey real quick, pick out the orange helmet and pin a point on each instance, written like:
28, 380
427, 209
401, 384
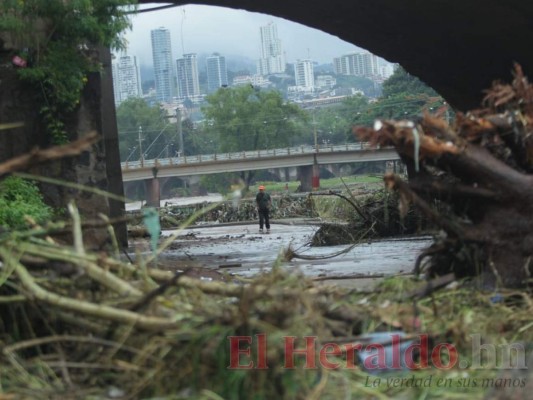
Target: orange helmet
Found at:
261, 187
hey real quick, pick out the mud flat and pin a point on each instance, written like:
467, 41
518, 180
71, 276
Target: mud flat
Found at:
242, 250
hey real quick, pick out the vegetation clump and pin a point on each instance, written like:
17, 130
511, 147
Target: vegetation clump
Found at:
21, 199
57, 42
373, 215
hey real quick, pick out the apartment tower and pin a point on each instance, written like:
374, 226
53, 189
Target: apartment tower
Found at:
304, 74
126, 78
163, 71
359, 64
187, 74
272, 60
217, 75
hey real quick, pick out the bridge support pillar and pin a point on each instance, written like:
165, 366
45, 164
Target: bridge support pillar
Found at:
305, 176
316, 174
153, 193
287, 174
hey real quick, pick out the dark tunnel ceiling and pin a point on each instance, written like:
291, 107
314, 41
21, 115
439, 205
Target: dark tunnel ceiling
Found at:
456, 46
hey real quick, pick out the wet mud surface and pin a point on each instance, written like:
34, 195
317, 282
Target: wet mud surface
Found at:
242, 250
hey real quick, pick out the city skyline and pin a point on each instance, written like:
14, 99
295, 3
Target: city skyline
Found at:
207, 29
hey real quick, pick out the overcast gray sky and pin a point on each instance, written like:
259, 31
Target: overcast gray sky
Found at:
207, 29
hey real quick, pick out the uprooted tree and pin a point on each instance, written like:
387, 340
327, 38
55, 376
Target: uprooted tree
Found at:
480, 169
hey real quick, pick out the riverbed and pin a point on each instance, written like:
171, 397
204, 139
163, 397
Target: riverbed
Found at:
239, 249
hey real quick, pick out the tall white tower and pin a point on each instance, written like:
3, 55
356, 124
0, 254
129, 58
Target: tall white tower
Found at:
126, 78
272, 60
304, 74
187, 73
163, 71
217, 74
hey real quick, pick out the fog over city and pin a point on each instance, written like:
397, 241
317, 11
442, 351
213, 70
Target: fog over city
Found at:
206, 29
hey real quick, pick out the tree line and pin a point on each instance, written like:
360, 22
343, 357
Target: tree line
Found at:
248, 118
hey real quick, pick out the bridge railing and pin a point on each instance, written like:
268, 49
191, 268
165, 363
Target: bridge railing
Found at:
249, 154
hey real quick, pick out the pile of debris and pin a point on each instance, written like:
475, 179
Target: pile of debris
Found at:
375, 215
480, 170
84, 325
243, 210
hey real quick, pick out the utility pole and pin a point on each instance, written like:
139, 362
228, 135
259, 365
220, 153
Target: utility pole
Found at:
315, 179
315, 134
180, 132
141, 156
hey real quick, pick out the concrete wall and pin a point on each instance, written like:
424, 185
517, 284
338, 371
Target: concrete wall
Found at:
94, 168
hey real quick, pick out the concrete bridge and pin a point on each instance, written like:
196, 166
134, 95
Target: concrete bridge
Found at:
306, 158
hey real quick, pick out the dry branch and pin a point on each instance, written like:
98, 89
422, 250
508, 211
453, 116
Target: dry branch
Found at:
84, 262
358, 209
84, 307
38, 156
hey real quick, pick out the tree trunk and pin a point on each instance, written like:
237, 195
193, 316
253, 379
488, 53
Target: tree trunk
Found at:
480, 171
247, 177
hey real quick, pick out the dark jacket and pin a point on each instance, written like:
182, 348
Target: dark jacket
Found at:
263, 200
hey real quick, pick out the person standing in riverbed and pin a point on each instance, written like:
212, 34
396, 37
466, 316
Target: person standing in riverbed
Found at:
264, 203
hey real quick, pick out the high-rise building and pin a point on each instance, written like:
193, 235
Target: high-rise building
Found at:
272, 60
163, 71
304, 74
386, 70
187, 73
126, 78
217, 75
340, 65
359, 64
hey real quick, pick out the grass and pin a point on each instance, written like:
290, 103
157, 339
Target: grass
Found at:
331, 183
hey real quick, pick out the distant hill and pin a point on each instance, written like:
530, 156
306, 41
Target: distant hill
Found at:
323, 68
